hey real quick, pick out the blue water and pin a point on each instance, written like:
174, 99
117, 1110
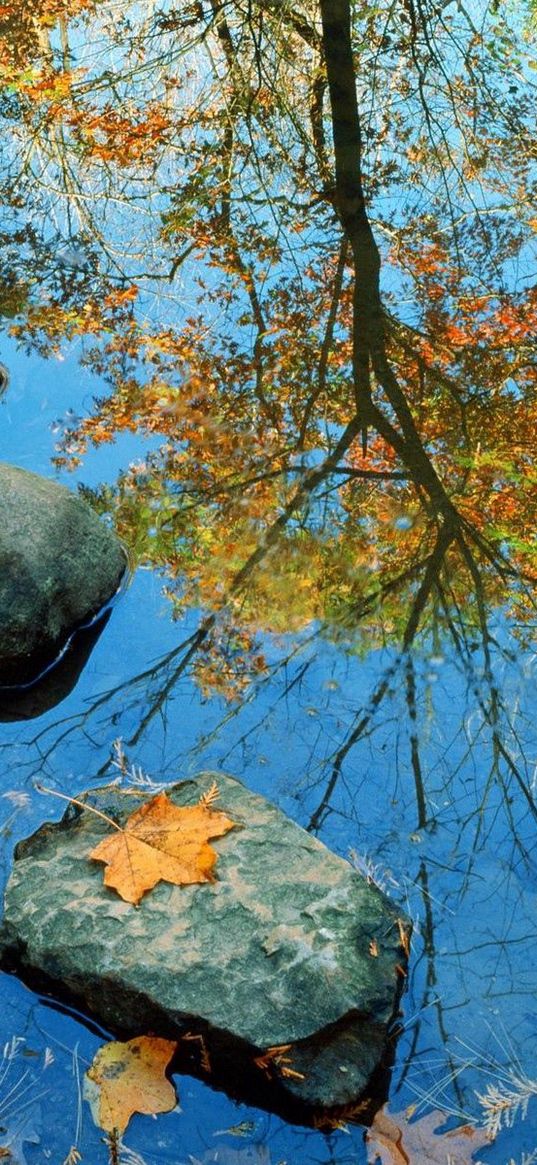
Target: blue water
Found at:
467, 879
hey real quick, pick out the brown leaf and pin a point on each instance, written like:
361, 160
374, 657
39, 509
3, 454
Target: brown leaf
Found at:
340, 1117
276, 1057
125, 1078
393, 1140
162, 842
211, 795
404, 937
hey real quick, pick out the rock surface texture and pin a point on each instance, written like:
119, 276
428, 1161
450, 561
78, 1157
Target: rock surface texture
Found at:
288, 946
59, 565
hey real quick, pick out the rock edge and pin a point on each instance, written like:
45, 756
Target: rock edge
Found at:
59, 567
276, 951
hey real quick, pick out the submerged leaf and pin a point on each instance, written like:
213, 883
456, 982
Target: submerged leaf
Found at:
225, 1155
162, 842
394, 1140
22, 1130
125, 1078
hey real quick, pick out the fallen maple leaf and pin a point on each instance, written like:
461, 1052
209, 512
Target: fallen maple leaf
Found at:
125, 1078
396, 1141
161, 842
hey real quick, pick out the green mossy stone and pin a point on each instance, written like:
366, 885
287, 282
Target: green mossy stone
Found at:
276, 951
59, 565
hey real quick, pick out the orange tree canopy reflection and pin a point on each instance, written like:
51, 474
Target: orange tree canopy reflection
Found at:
226, 182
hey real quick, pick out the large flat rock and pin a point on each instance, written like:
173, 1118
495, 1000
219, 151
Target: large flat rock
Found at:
289, 946
59, 565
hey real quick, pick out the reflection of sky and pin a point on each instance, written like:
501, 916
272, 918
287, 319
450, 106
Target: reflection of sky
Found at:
464, 878
41, 393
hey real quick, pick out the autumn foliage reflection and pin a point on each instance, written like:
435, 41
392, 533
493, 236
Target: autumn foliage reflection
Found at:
322, 447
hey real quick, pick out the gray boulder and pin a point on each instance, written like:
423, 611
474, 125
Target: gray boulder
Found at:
288, 946
59, 565
57, 682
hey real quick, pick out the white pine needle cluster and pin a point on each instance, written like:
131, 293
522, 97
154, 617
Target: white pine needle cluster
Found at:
73, 1156
132, 774
130, 1157
503, 1103
373, 873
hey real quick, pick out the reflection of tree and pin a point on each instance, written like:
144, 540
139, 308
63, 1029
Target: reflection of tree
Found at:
291, 250
323, 453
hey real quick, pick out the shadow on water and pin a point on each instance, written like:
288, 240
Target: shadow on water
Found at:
291, 273
231, 1064
26, 703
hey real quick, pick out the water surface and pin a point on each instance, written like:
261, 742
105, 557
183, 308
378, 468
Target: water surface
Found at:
328, 493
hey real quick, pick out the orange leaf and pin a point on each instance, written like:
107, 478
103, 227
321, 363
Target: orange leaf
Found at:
161, 842
125, 1078
276, 1057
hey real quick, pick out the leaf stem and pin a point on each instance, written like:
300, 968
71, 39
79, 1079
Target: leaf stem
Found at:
81, 805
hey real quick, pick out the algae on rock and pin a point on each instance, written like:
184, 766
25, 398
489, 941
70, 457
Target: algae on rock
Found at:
278, 950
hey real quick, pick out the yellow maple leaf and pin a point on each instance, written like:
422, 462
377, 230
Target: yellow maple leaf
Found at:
161, 842
129, 1077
